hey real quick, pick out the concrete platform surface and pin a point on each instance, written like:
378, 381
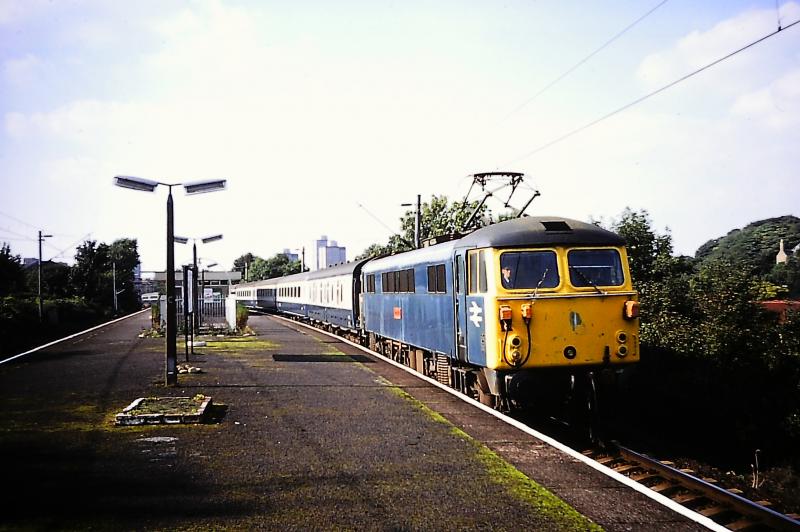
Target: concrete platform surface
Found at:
308, 434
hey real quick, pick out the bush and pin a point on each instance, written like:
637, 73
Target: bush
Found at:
242, 314
20, 328
155, 316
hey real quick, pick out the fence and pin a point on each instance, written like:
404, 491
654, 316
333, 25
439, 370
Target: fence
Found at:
209, 312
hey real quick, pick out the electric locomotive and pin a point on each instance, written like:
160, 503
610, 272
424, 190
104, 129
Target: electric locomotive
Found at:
534, 309
524, 310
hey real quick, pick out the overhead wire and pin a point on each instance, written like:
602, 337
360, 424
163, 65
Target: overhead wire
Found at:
60, 253
649, 95
18, 220
574, 67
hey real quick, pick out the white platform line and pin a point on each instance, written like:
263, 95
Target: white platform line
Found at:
72, 336
664, 501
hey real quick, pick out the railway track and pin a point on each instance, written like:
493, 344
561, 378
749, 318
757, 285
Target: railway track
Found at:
725, 507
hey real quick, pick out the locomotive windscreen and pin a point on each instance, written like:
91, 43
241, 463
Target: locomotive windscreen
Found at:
595, 267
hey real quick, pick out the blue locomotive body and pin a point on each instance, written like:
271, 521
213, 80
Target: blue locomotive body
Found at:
408, 298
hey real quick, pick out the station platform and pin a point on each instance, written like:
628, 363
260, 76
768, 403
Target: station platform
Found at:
307, 433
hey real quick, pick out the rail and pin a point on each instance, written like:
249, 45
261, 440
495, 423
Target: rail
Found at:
723, 506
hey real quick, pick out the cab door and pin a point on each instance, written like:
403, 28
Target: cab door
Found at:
460, 303
474, 307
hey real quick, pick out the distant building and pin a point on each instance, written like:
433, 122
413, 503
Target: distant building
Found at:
290, 255
219, 282
782, 257
325, 253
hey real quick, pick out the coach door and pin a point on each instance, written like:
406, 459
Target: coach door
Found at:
460, 304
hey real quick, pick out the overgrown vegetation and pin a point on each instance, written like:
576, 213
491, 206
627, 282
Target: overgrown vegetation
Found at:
716, 369
74, 297
242, 315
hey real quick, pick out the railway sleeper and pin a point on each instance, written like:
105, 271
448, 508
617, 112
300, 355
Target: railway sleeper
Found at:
742, 524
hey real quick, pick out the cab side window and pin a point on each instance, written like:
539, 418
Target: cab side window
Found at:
476, 262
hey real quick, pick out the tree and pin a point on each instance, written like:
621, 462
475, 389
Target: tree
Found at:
668, 314
86, 274
55, 279
439, 217
92, 275
787, 275
276, 266
243, 262
12, 276
124, 254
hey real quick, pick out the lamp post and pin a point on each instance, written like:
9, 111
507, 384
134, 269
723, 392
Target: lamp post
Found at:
417, 219
145, 185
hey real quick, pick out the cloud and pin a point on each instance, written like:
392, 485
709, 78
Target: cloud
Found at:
700, 48
776, 106
22, 71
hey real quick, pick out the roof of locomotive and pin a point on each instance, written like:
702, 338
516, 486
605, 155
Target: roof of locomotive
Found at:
540, 231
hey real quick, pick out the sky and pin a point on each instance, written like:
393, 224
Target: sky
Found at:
324, 117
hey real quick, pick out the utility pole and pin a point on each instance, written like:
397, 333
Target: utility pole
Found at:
41, 306
418, 222
114, 283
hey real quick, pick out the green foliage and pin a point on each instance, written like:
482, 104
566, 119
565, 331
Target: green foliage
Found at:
708, 346
243, 262
242, 315
12, 277
92, 275
55, 280
755, 246
155, 315
20, 328
787, 278
276, 266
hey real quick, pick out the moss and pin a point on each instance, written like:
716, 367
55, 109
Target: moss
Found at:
515, 483
231, 344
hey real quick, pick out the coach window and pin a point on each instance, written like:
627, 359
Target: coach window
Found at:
402, 284
410, 279
389, 282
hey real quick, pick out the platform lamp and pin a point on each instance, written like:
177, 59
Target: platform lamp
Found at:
146, 185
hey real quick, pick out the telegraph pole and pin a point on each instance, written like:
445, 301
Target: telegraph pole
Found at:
41, 306
418, 222
114, 283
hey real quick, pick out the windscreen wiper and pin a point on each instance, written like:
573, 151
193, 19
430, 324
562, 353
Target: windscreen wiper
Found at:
586, 279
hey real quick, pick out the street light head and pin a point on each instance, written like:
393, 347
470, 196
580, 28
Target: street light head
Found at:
180, 239
212, 238
200, 187
135, 183
211, 265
